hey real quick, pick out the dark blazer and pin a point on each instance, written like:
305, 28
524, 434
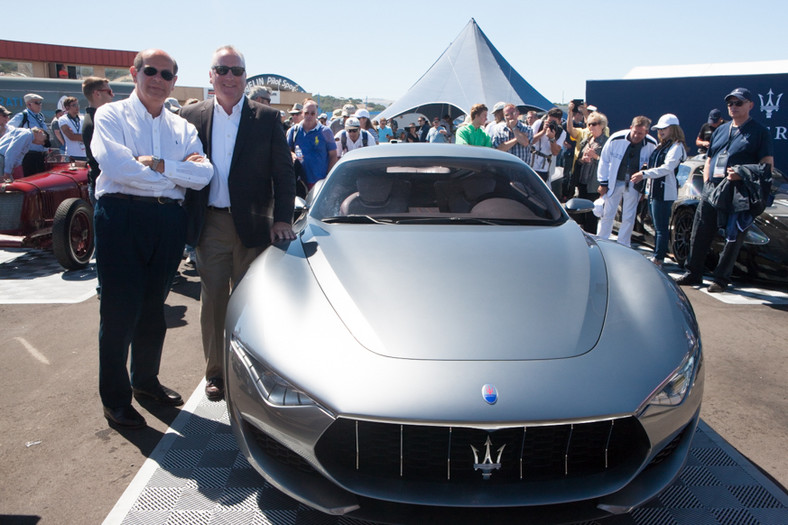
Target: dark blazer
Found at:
261, 173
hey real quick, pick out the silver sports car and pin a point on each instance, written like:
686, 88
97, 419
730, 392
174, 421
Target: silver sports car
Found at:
443, 338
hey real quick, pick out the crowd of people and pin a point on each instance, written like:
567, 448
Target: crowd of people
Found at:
221, 176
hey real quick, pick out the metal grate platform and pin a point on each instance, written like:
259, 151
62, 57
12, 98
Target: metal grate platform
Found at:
197, 475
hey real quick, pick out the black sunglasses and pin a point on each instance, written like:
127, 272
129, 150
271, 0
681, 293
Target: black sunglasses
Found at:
151, 71
223, 70
736, 103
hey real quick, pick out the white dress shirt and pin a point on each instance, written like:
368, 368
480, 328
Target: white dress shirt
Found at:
124, 130
224, 130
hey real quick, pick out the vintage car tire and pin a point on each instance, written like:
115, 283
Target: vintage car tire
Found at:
681, 233
72, 234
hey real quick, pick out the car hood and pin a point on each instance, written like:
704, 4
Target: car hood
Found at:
462, 292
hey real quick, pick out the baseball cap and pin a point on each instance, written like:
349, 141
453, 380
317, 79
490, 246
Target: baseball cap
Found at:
33, 96
322, 115
714, 116
4, 111
498, 106
740, 93
297, 108
352, 123
362, 113
668, 119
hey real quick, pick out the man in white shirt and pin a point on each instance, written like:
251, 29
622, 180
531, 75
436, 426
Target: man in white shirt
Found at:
252, 171
148, 157
71, 128
352, 137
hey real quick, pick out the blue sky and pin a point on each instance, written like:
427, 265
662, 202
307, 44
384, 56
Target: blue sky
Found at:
377, 49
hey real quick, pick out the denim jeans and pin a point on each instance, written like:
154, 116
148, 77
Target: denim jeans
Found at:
660, 214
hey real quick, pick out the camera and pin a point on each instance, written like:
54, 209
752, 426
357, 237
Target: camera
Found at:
577, 102
554, 127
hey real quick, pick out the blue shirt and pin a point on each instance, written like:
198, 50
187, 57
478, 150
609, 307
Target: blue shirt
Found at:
34, 120
315, 146
384, 134
13, 146
747, 144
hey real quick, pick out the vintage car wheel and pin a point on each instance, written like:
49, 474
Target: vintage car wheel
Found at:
681, 233
72, 234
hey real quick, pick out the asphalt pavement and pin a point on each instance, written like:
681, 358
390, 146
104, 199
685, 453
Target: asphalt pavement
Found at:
61, 463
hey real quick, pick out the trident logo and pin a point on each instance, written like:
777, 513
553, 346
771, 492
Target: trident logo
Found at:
770, 106
487, 466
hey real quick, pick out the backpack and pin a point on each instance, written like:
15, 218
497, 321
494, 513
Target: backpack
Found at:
364, 139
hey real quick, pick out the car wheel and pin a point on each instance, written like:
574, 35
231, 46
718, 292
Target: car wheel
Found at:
72, 234
681, 233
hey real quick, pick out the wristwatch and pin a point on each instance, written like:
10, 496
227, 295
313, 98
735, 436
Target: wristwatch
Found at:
155, 165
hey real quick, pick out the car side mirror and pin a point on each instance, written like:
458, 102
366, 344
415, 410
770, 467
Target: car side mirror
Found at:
577, 205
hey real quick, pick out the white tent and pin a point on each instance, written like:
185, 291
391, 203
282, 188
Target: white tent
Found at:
469, 72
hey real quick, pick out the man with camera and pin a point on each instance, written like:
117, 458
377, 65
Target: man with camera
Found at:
548, 139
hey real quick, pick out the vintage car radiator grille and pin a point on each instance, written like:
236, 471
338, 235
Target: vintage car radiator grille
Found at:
48, 205
10, 210
524, 454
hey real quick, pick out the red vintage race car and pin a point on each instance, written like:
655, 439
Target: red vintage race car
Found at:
50, 210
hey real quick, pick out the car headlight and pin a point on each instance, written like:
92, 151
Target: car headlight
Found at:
271, 387
675, 388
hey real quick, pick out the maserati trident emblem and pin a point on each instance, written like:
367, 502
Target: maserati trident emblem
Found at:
770, 106
487, 466
490, 394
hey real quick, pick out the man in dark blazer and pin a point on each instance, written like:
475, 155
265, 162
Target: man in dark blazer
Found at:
230, 220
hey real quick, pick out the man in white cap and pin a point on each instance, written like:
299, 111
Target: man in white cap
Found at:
352, 137
32, 117
497, 118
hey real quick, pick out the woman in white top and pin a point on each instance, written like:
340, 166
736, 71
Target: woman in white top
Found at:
662, 186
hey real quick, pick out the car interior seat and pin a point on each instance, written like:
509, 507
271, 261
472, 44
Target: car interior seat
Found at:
377, 194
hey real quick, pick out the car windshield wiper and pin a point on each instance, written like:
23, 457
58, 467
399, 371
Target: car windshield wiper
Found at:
357, 219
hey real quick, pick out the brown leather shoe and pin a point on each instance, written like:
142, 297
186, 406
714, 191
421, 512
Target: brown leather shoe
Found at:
214, 389
124, 417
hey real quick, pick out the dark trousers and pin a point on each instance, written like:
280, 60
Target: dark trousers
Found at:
704, 228
139, 246
588, 221
33, 163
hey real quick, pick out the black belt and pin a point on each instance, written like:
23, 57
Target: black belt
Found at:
138, 198
222, 210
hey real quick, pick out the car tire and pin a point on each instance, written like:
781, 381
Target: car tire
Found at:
681, 233
73, 237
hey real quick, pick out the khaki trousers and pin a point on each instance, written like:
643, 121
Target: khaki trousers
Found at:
222, 261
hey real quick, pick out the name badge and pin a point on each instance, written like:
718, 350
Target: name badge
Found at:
721, 165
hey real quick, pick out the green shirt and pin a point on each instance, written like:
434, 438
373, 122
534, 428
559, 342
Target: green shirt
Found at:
473, 136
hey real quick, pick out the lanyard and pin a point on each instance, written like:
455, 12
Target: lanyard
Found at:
77, 123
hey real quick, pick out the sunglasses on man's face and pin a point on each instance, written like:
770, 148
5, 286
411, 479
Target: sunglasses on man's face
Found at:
223, 70
151, 71
737, 103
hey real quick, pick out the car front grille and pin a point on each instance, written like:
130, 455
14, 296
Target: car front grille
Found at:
10, 210
515, 455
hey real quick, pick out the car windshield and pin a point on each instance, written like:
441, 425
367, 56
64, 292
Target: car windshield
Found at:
418, 190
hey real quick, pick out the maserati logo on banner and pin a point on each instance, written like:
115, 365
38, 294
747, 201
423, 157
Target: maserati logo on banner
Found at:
770, 106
